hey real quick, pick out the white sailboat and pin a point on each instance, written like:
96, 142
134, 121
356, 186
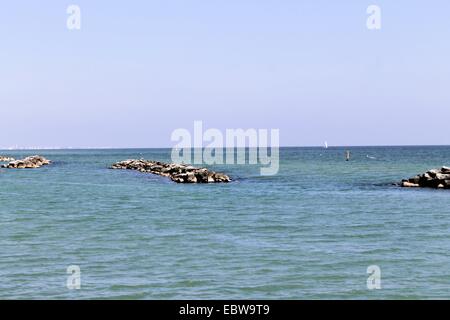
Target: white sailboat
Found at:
326, 145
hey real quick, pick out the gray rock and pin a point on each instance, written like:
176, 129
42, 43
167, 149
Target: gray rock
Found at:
445, 170
6, 159
407, 184
442, 176
414, 180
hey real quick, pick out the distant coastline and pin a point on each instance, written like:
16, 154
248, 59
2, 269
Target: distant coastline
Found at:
169, 147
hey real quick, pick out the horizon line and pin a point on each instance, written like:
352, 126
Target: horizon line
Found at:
286, 146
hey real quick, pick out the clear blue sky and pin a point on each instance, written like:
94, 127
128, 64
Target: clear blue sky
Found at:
137, 70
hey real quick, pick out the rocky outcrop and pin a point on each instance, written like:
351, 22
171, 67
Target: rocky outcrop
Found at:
436, 178
27, 163
179, 173
6, 159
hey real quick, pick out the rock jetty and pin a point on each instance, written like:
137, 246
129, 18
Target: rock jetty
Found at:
179, 173
436, 178
6, 159
27, 163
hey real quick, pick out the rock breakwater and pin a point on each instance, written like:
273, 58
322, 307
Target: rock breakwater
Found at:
27, 163
179, 173
436, 178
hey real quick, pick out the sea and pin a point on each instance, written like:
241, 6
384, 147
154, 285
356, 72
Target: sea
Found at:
322, 228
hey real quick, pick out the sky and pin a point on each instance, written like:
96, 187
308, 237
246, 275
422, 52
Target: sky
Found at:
138, 70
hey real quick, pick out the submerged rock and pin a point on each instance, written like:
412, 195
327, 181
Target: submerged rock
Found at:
435, 178
179, 173
27, 163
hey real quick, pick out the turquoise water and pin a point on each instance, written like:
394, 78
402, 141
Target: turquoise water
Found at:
309, 232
